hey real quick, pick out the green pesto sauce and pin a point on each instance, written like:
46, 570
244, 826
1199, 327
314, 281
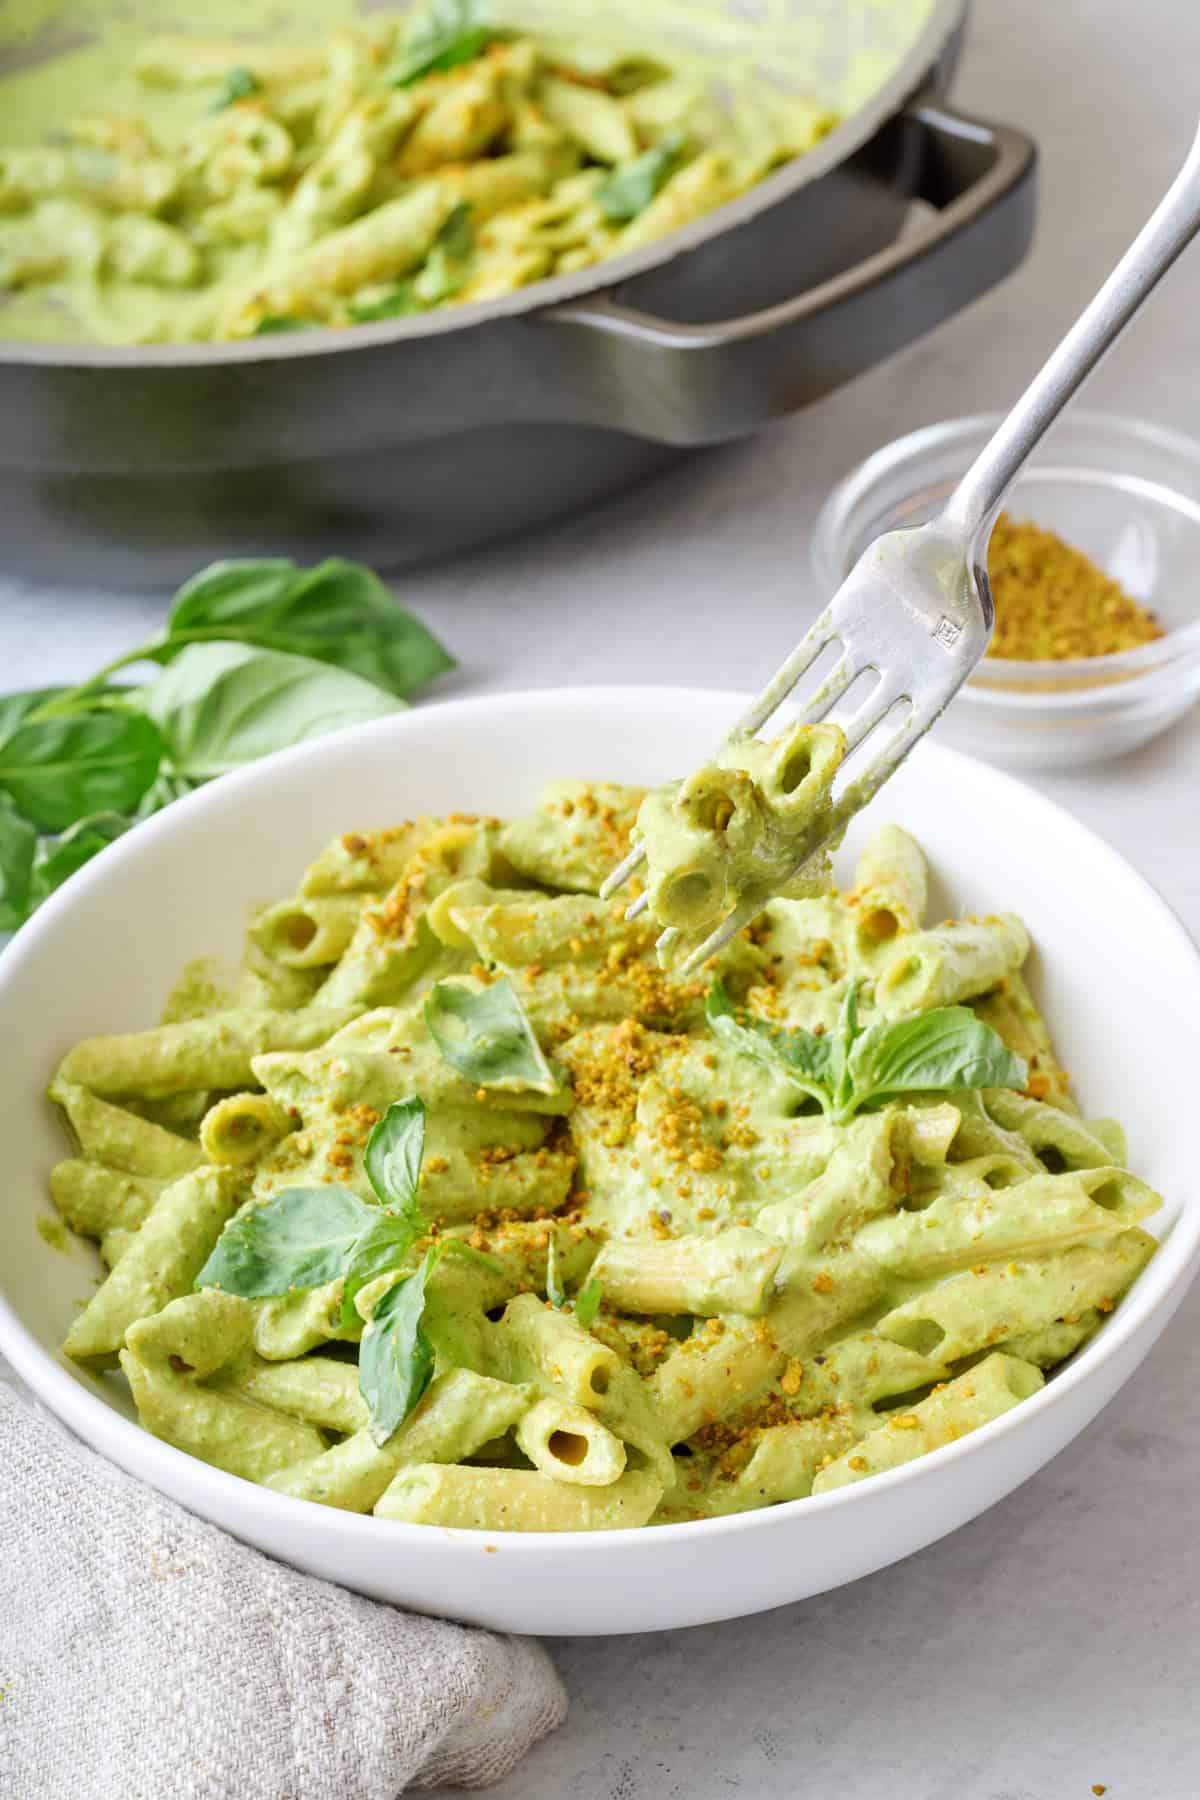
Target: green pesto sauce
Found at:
58, 61
204, 987
53, 1231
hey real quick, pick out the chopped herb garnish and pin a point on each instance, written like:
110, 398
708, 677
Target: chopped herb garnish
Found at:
238, 83
445, 34
631, 187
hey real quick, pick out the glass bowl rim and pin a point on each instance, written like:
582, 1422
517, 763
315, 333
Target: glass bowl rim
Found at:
1099, 673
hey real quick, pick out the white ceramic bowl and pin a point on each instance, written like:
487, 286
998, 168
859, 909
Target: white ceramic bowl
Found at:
1119, 977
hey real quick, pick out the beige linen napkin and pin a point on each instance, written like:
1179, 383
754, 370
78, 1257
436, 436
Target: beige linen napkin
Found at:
145, 1655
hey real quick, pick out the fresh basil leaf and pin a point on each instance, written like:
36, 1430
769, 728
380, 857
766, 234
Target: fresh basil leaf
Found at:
803, 1058
18, 841
220, 706
395, 1359
445, 34
841, 1043
392, 1158
300, 1238
587, 1304
485, 1035
445, 270
271, 324
945, 1050
632, 185
16, 708
60, 770
229, 596
401, 303
237, 84
556, 1294
381, 1247
338, 612
58, 858
457, 235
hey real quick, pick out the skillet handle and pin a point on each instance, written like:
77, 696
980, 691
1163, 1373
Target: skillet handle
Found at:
700, 384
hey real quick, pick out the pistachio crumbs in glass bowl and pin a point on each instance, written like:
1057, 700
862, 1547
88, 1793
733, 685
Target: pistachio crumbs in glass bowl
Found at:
1094, 575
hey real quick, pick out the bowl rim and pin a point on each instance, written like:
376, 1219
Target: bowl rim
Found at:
943, 19
989, 687
1158, 1288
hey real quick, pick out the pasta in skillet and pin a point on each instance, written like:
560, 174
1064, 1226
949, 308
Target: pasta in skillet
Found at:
454, 1207
394, 168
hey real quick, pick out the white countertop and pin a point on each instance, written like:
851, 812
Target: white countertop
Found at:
1051, 1644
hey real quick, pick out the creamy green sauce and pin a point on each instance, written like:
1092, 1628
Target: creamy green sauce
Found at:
791, 1207
58, 63
47, 87
53, 1232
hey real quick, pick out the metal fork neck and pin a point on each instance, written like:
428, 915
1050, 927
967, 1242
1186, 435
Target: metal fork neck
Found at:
972, 508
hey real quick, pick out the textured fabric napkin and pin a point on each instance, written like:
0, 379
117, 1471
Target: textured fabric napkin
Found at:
145, 1654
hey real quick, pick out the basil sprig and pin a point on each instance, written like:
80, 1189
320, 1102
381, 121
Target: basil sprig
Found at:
305, 1237
220, 706
587, 1304
255, 656
484, 1034
443, 35
301, 1238
337, 612
395, 1359
942, 1051
632, 186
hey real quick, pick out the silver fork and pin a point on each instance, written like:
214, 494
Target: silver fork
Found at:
916, 610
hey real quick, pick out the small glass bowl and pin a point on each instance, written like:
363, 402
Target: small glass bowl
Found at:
1124, 492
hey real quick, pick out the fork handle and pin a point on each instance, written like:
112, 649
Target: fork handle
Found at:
973, 506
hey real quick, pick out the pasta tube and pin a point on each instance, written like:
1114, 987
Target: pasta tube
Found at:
784, 1461
307, 933
713, 1373
569, 1443
382, 246
219, 1428
1033, 1216
731, 1272
597, 122
542, 1345
479, 1499
983, 1393
215, 1052
166, 1256
577, 835
459, 1413
366, 862
120, 1139
242, 1128
317, 1389
950, 963
891, 888
94, 1200
984, 1306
